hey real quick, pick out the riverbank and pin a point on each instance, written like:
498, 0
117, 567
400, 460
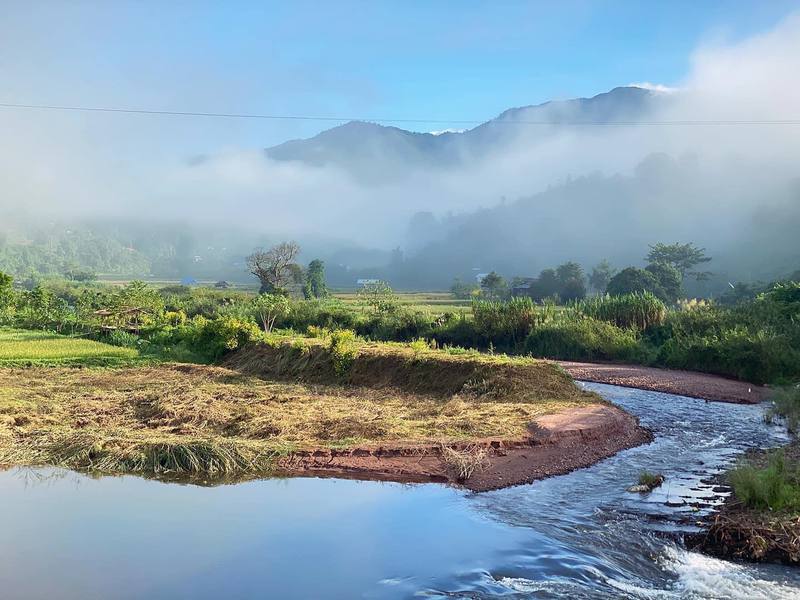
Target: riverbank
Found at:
683, 383
744, 530
312, 406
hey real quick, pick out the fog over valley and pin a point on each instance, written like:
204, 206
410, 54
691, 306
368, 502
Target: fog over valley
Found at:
579, 179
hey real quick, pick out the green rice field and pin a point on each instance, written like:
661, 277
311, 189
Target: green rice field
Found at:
22, 347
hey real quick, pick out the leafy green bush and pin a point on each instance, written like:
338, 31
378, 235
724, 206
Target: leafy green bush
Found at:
639, 310
774, 487
587, 339
786, 404
343, 349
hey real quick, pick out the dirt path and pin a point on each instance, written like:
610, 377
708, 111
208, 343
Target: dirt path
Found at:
557, 444
683, 383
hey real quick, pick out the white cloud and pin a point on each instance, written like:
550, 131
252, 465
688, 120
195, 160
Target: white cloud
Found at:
655, 87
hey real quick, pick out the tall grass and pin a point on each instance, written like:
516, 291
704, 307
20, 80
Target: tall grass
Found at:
774, 487
638, 310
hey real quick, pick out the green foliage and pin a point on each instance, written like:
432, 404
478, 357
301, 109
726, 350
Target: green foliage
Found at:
650, 480
268, 308
379, 298
637, 310
464, 291
584, 339
632, 280
505, 324
681, 257
773, 487
494, 286
786, 404
601, 275
315, 286
343, 349
669, 280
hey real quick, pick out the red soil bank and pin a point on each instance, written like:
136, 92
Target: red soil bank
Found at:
557, 444
683, 383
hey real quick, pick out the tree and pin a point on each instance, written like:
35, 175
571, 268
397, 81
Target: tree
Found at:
572, 281
315, 286
669, 279
379, 297
275, 268
546, 286
494, 285
601, 274
682, 257
634, 280
568, 271
268, 307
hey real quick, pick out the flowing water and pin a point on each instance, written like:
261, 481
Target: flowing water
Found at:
64, 535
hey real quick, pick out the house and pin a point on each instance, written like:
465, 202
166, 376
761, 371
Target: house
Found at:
188, 281
365, 282
222, 285
522, 286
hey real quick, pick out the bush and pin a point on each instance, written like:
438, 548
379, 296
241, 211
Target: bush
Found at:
639, 310
343, 350
587, 339
122, 338
774, 487
786, 404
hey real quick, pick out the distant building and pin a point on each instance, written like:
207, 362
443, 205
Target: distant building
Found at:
522, 286
363, 282
222, 285
188, 281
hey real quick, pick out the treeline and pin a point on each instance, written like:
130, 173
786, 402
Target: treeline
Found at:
756, 339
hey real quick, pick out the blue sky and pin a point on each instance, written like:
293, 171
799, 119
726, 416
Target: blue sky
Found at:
411, 59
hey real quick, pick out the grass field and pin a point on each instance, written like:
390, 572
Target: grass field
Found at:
438, 302
211, 421
22, 347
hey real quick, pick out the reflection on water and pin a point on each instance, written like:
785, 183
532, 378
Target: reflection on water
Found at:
576, 536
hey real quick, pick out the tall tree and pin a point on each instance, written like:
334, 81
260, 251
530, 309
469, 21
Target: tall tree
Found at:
315, 286
683, 257
601, 274
494, 285
275, 268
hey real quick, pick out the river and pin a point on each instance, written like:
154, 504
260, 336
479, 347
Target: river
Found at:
582, 535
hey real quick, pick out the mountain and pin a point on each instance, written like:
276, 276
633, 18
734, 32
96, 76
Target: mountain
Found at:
374, 151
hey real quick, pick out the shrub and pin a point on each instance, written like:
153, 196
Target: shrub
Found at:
639, 310
586, 339
786, 404
774, 487
122, 338
343, 349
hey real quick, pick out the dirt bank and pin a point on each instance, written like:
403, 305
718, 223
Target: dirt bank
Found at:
683, 383
556, 444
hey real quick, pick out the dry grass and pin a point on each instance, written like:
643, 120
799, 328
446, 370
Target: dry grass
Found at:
465, 463
215, 421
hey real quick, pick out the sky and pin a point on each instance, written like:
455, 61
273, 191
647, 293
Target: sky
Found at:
407, 59
372, 60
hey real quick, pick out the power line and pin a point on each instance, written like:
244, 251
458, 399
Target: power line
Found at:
176, 113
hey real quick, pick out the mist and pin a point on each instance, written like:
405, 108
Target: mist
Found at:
719, 177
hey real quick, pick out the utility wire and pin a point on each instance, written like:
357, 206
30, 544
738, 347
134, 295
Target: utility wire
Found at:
139, 111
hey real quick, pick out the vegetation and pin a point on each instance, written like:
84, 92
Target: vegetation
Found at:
650, 480
173, 419
20, 348
774, 486
786, 404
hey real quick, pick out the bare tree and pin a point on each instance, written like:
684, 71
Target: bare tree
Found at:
275, 267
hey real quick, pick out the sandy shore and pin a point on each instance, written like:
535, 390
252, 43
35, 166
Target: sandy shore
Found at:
683, 383
557, 444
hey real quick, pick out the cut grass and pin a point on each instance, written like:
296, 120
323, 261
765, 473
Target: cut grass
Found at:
174, 419
22, 348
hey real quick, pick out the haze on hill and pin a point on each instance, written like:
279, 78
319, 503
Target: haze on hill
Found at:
582, 179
